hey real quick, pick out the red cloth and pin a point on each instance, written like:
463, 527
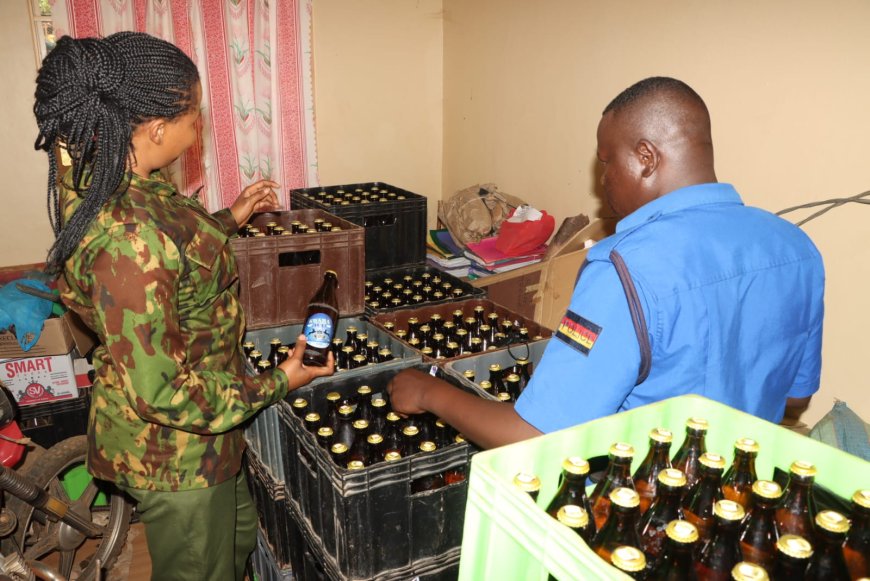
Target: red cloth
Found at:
520, 238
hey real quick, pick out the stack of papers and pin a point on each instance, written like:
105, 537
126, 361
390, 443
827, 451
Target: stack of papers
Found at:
443, 253
486, 259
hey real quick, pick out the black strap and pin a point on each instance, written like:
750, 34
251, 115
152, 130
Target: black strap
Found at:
637, 318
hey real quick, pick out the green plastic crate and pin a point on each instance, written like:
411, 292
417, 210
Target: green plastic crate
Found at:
506, 536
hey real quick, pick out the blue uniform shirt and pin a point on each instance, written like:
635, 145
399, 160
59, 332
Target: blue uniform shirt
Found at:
732, 297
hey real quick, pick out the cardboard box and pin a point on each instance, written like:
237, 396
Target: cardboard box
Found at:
36, 380
59, 336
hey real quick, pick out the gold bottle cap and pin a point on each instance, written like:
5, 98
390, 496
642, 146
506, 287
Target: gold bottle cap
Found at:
426, 351
347, 349
625, 497
478, 309
410, 430
470, 320
527, 482
335, 274
461, 332
393, 417
333, 396
457, 313
275, 341
283, 349
351, 329
495, 367
385, 351
512, 377
832, 521
575, 465
766, 489
379, 402
260, 235
728, 510
345, 410
374, 439
300, 403
361, 424
682, 531
355, 465
794, 546
392, 456
413, 320
452, 345
324, 431
621, 450
661, 435
629, 559
711, 460
438, 337
746, 571
256, 353
862, 498
459, 439
312, 417
359, 358
338, 448
573, 516
428, 446
364, 390
264, 364
503, 396
803, 468
248, 344
672, 477
425, 328
486, 384
747, 445
699, 424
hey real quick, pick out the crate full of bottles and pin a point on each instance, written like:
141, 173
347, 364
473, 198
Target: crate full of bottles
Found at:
282, 258
499, 375
382, 495
412, 287
690, 484
394, 219
443, 333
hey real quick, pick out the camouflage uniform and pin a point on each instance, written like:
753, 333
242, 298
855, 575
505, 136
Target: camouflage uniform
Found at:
155, 278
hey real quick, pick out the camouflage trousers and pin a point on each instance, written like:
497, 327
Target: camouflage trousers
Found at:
199, 535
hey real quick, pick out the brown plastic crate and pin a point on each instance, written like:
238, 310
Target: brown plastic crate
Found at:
280, 274
400, 319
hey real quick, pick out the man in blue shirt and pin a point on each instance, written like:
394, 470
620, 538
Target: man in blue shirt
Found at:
694, 293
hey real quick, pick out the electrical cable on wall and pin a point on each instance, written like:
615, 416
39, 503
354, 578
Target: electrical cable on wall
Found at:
831, 204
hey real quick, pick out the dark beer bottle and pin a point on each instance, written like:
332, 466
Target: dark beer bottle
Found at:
701, 499
572, 488
620, 528
392, 433
528, 483
657, 459
738, 479
677, 560
430, 481
758, 533
795, 514
748, 571
378, 422
857, 547
333, 402
350, 340
364, 403
792, 558
828, 562
665, 508
312, 422
410, 440
629, 560
687, 457
274, 357
299, 407
248, 347
320, 321
721, 552
263, 367
360, 450
325, 437
344, 430
338, 452
577, 519
618, 475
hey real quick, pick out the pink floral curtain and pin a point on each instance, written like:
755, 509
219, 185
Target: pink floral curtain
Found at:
254, 59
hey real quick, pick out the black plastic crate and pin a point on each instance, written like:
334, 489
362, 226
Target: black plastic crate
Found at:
398, 276
395, 220
49, 423
367, 523
480, 363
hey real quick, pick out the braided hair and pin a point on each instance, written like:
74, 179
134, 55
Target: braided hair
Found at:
91, 94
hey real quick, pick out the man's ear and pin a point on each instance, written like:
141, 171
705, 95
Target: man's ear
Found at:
648, 156
155, 129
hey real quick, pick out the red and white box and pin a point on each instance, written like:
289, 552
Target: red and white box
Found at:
36, 380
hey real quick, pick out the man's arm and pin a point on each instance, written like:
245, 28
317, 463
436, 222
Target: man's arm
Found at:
487, 423
795, 406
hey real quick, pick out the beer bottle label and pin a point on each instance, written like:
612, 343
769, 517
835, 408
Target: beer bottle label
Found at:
318, 330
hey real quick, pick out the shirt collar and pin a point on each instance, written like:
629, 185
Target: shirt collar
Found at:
681, 199
153, 184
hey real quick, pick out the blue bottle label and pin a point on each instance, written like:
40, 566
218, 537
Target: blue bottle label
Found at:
319, 330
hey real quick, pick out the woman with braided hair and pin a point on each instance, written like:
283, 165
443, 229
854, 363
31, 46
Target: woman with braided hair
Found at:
151, 272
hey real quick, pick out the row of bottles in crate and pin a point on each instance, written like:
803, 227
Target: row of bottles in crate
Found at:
387, 292
362, 431
294, 227
375, 193
687, 517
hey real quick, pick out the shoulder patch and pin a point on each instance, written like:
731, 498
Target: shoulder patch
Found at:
578, 332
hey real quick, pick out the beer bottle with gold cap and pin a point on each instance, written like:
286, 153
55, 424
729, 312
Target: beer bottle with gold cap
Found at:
657, 459
364, 403
620, 528
333, 402
618, 474
338, 452
738, 479
410, 440
665, 508
359, 449
748, 571
687, 457
320, 321
577, 519
629, 560
721, 552
325, 437
677, 560
828, 561
758, 533
528, 483
430, 481
857, 547
299, 407
312, 422
792, 558
698, 506
795, 514
344, 430
572, 488
274, 357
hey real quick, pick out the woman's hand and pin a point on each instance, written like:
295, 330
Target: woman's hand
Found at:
299, 374
256, 197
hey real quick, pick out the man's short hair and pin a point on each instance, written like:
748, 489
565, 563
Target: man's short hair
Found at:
650, 86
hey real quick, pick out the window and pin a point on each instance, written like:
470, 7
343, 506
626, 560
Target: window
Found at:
43, 28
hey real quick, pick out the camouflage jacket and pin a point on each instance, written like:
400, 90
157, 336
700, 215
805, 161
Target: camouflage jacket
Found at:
155, 278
